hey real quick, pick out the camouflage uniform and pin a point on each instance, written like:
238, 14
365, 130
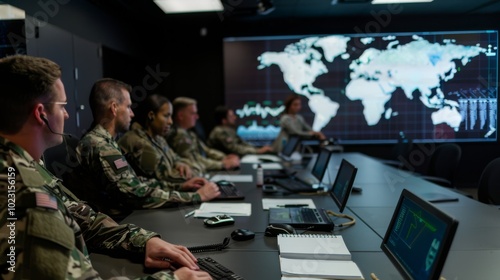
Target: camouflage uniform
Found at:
115, 183
151, 156
48, 228
224, 138
291, 126
187, 144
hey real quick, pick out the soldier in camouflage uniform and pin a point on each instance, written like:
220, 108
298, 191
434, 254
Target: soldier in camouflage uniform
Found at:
187, 144
146, 148
114, 183
44, 228
224, 138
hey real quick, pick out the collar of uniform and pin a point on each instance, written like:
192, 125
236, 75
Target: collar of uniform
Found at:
156, 140
100, 131
6, 144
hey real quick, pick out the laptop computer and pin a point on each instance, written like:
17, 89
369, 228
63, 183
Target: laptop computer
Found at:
308, 180
418, 238
318, 219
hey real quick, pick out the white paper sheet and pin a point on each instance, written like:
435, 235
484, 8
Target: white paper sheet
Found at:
232, 178
210, 209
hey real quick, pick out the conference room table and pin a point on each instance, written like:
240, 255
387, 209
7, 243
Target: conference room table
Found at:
474, 254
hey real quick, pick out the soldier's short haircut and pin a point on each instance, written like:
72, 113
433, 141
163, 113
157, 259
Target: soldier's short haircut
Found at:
25, 81
103, 91
220, 114
180, 103
152, 103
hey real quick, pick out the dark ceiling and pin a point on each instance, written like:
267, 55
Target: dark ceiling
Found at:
246, 10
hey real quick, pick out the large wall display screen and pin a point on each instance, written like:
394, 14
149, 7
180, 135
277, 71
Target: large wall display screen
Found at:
368, 88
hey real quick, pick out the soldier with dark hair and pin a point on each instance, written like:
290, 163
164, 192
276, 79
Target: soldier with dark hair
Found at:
45, 229
114, 183
224, 138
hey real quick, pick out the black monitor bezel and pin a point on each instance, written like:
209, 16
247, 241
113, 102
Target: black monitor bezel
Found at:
296, 138
451, 228
342, 204
329, 155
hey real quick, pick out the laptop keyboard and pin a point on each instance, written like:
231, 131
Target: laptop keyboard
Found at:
293, 185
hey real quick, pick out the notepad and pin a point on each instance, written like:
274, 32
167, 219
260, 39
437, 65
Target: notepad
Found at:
209, 209
324, 269
313, 246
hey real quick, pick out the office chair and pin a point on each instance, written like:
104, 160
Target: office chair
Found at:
488, 189
400, 152
61, 159
443, 163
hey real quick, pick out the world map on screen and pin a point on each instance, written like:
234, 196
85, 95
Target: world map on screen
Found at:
375, 75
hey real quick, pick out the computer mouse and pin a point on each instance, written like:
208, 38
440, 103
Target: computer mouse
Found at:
356, 189
275, 229
242, 234
224, 183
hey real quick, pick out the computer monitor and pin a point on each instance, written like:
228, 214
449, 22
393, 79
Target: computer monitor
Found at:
341, 188
418, 238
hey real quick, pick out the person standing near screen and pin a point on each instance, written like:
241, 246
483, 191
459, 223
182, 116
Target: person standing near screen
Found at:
224, 138
292, 123
47, 232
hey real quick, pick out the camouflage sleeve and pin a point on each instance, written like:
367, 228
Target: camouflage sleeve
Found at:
182, 144
229, 142
146, 161
295, 126
212, 153
113, 171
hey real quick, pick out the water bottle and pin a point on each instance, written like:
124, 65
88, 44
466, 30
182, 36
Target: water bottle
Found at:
259, 178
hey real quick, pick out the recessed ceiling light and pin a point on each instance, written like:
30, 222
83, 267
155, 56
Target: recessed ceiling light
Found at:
11, 12
189, 6
399, 1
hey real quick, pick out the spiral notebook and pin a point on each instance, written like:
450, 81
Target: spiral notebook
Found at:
316, 256
313, 246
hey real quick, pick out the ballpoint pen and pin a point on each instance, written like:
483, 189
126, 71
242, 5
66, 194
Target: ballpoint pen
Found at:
292, 205
189, 214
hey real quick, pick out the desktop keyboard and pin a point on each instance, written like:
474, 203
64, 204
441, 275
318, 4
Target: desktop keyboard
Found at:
229, 191
217, 270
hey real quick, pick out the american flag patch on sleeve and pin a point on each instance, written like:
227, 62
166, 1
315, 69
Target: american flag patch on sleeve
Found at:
45, 200
120, 163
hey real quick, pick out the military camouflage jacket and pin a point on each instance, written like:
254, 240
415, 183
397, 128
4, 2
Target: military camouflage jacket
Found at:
151, 156
225, 139
44, 229
187, 144
102, 160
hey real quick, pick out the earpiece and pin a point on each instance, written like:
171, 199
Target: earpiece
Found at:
44, 119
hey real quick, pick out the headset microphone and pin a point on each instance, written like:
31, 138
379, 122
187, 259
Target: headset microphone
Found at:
44, 119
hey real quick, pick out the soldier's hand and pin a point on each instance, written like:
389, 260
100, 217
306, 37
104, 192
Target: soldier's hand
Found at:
158, 250
231, 162
265, 149
184, 170
209, 191
185, 273
194, 183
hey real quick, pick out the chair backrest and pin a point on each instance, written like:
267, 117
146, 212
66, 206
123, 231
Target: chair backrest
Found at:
488, 190
444, 161
61, 159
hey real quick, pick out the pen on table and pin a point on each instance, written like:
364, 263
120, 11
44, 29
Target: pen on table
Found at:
189, 214
373, 276
292, 205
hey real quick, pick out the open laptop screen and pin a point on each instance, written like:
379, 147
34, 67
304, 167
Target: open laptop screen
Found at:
342, 186
418, 238
290, 146
321, 164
